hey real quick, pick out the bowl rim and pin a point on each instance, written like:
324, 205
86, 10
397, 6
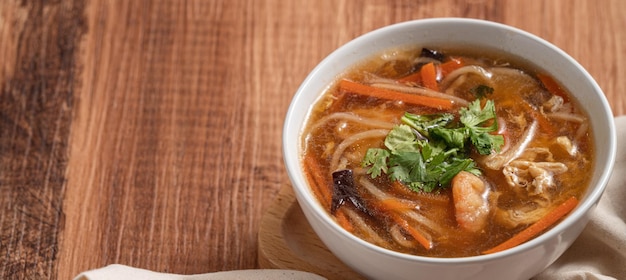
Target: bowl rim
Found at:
587, 203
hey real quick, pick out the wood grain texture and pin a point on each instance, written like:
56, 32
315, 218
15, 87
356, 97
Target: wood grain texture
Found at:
37, 83
287, 241
148, 133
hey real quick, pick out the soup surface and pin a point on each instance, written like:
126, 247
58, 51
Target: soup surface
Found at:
447, 153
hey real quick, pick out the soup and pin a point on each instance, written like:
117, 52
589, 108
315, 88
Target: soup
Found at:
447, 153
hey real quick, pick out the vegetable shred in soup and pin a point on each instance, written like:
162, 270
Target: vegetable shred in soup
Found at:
447, 153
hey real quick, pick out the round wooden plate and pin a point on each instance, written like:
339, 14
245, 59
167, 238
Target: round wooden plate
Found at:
287, 241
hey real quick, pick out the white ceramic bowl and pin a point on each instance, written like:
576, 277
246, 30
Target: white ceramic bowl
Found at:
521, 262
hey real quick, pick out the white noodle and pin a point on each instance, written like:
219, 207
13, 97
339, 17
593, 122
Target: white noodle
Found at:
373, 79
496, 161
425, 60
351, 117
397, 235
581, 130
380, 195
472, 69
457, 83
414, 215
374, 133
419, 218
508, 71
567, 117
368, 232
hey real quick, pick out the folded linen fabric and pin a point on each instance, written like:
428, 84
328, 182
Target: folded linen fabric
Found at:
122, 272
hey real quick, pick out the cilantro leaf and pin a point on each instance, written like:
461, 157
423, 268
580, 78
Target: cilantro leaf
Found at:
454, 137
481, 91
426, 151
424, 123
485, 142
473, 117
401, 138
455, 167
407, 166
377, 158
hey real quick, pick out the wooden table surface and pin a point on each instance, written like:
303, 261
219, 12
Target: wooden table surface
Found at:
148, 133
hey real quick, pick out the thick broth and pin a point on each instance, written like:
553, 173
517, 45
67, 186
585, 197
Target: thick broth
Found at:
519, 192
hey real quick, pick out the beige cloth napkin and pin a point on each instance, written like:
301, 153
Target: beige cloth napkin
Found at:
598, 254
122, 272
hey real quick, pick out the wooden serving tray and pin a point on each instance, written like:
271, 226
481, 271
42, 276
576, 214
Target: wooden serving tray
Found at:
287, 241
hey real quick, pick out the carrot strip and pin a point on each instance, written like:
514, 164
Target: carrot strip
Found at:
429, 76
320, 188
451, 65
319, 185
384, 207
343, 220
415, 77
536, 228
397, 205
552, 86
544, 123
433, 102
418, 236
399, 187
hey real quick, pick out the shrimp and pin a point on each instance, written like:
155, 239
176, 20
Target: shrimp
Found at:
471, 206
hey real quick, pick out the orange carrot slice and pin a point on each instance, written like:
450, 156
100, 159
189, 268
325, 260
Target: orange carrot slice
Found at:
415, 77
393, 204
316, 179
552, 86
390, 211
545, 222
429, 76
344, 221
542, 120
416, 234
451, 65
433, 102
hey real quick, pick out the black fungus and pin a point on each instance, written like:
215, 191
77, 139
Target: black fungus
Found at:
344, 190
432, 54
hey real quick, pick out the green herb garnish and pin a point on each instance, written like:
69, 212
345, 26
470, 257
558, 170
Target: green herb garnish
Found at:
426, 151
481, 91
